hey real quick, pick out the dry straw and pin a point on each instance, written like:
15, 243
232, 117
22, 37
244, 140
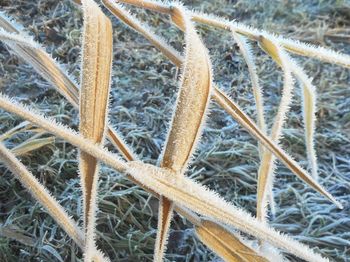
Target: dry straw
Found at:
215, 219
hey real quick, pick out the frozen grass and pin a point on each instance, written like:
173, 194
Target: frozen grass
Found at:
139, 108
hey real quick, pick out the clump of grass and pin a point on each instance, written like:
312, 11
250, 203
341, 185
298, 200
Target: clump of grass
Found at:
167, 182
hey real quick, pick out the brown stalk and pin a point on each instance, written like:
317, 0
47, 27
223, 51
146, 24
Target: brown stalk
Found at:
95, 84
188, 119
299, 48
225, 243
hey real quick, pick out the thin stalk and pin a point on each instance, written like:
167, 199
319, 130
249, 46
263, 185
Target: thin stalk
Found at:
293, 46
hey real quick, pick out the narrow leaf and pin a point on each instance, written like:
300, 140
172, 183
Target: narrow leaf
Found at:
267, 166
226, 244
309, 114
93, 102
165, 215
245, 49
32, 144
94, 92
48, 68
188, 119
192, 102
15, 234
21, 127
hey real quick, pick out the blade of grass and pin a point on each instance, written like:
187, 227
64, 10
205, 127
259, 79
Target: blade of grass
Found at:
249, 58
267, 165
192, 102
94, 92
95, 83
47, 67
226, 244
13, 233
32, 144
245, 49
21, 127
309, 115
188, 119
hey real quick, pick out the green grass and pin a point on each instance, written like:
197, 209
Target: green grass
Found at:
143, 91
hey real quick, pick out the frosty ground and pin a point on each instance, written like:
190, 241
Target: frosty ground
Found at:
143, 94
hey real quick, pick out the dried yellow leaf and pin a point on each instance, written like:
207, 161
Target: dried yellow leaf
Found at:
95, 85
188, 119
97, 52
226, 244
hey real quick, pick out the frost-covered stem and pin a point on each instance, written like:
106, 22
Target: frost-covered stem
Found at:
63, 132
267, 166
293, 46
233, 110
246, 51
309, 114
117, 10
